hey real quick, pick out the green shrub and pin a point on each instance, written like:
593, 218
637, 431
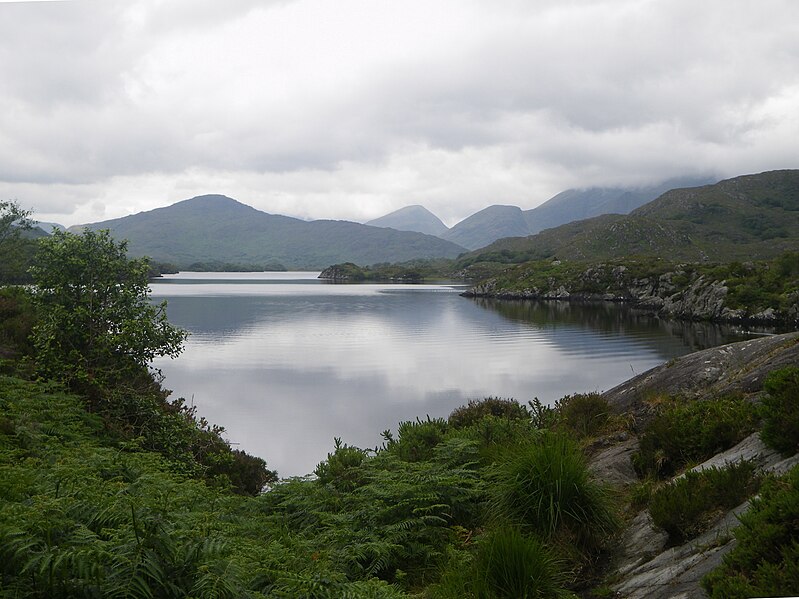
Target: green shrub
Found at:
416, 440
542, 416
780, 410
545, 487
688, 432
17, 317
510, 565
475, 411
342, 469
685, 507
494, 434
584, 414
765, 560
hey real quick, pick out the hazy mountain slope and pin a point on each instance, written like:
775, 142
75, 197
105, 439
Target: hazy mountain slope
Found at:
487, 225
215, 228
412, 218
749, 217
746, 209
579, 204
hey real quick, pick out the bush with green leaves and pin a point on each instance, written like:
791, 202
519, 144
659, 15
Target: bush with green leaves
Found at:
396, 524
545, 487
78, 518
17, 318
685, 432
765, 559
96, 324
342, 468
687, 506
584, 414
416, 439
494, 434
543, 416
85, 515
780, 410
16, 243
475, 411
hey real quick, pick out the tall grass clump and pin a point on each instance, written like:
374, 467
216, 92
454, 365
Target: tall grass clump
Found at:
510, 565
546, 488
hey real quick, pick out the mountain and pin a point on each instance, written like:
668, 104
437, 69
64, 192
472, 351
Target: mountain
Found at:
497, 222
579, 204
48, 227
215, 229
412, 218
745, 218
487, 225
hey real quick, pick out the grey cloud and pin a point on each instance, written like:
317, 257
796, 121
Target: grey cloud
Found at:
553, 93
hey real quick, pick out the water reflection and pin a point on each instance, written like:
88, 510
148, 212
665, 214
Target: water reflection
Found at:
286, 365
620, 319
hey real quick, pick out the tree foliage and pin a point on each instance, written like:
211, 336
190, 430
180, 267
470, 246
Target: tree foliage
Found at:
97, 323
779, 410
14, 249
13, 220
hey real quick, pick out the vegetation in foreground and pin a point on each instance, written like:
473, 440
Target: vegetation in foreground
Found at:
110, 489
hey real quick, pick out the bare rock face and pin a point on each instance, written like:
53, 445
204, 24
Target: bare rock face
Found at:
613, 464
736, 367
676, 571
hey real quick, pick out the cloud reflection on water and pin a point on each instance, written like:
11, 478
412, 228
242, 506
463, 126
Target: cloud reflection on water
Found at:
286, 370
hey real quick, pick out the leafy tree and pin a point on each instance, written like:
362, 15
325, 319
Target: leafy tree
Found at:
13, 221
96, 323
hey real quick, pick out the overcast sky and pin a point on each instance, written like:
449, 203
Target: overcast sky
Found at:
354, 108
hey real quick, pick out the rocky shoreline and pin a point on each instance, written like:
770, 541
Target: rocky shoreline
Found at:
702, 299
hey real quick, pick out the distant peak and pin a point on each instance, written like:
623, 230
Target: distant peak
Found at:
211, 198
213, 201
411, 218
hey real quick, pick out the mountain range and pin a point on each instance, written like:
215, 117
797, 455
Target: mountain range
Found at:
213, 230
745, 218
499, 221
748, 217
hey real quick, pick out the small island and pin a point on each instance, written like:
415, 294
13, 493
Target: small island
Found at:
352, 273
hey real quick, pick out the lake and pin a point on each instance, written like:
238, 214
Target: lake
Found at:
286, 362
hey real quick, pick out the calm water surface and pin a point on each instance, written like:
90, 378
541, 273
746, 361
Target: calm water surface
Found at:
286, 362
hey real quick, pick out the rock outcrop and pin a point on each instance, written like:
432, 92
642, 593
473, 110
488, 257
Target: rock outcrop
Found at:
343, 272
644, 565
675, 294
738, 366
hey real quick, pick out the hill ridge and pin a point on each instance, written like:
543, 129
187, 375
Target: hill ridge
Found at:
215, 229
745, 218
